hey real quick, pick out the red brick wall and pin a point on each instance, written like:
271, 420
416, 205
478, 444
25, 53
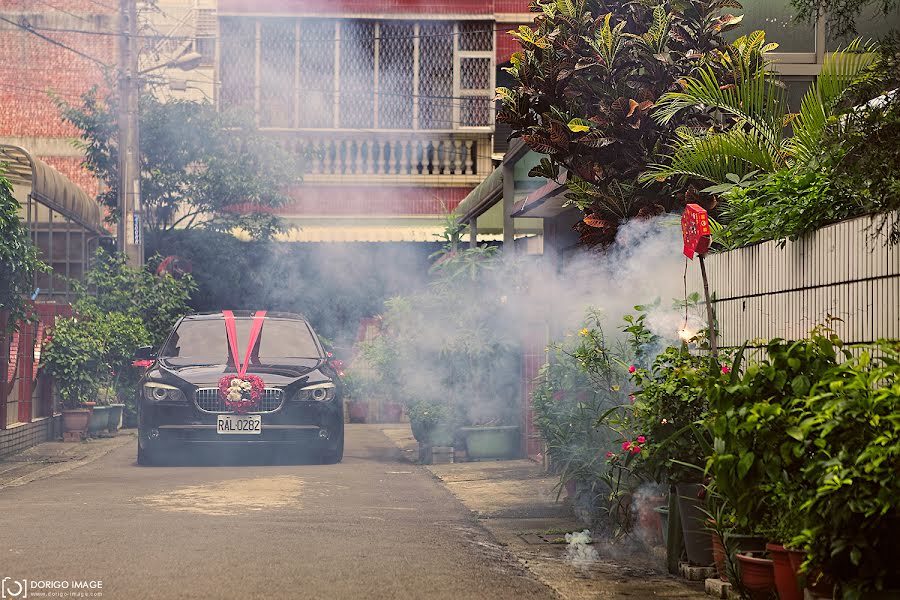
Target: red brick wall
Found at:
386, 7
374, 200
32, 68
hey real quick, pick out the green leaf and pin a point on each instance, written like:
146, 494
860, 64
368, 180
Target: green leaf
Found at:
745, 463
579, 125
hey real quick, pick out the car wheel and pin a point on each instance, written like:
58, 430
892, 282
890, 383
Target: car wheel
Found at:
334, 454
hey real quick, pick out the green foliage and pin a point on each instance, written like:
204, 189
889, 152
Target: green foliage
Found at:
443, 355
754, 420
669, 408
74, 357
200, 167
588, 78
157, 302
783, 206
755, 108
18, 258
579, 404
850, 432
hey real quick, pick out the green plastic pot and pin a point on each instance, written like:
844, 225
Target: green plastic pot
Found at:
114, 417
99, 420
491, 442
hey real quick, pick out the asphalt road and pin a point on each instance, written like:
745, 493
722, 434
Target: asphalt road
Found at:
371, 527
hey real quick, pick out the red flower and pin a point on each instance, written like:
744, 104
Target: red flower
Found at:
610, 454
635, 449
632, 369
641, 439
626, 445
631, 398
726, 370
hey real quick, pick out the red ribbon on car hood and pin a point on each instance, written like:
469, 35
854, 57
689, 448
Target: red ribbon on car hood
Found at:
231, 333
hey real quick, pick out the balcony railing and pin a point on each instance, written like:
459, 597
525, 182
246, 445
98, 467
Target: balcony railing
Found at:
400, 157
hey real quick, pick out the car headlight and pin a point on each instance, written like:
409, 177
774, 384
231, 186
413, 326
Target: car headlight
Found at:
319, 392
161, 392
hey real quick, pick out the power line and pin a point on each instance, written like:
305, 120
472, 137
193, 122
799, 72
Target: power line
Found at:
64, 11
324, 41
50, 40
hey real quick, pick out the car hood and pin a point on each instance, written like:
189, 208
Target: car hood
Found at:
274, 375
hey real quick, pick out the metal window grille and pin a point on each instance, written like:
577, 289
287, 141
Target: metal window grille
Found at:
476, 36
277, 54
357, 74
311, 73
238, 63
436, 76
395, 75
474, 73
317, 62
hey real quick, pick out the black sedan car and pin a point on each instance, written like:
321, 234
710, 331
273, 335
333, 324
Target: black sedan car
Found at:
232, 381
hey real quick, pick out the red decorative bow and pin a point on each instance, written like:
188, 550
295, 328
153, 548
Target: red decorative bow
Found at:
250, 398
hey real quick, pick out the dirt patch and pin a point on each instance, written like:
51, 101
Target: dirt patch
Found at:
232, 497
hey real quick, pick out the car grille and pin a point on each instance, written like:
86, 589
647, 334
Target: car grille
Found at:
208, 400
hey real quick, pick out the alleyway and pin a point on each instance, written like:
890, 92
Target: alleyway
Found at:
371, 527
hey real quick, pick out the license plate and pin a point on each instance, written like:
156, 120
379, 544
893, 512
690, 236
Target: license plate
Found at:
239, 424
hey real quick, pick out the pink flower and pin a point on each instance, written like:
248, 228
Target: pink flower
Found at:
632, 369
626, 445
610, 454
641, 439
726, 370
635, 449
631, 398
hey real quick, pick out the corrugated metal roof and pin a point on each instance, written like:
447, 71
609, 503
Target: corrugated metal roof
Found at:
50, 187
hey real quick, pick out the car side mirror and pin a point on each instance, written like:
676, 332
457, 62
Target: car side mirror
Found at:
144, 353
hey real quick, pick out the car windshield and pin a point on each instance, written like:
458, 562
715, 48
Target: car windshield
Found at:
205, 340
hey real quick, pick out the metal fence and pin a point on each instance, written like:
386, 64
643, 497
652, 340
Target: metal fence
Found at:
847, 271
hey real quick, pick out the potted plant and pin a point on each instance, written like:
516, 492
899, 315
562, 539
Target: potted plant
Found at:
757, 574
74, 359
754, 418
99, 421
852, 534
668, 408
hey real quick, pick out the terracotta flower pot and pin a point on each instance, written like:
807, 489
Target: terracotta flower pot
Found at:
392, 412
786, 581
76, 419
359, 411
719, 556
757, 576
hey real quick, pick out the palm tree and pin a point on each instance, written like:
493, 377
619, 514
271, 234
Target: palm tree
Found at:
754, 111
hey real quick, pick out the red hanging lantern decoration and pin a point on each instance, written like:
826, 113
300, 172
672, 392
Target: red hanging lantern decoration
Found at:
695, 230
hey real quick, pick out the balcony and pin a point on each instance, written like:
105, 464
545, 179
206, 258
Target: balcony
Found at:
396, 158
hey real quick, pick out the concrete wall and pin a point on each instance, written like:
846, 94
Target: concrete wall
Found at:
847, 270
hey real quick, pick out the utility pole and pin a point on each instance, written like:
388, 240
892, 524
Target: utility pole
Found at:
130, 230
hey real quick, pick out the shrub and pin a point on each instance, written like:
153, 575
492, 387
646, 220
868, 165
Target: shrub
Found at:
18, 258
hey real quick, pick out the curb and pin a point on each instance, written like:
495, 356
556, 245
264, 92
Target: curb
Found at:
59, 468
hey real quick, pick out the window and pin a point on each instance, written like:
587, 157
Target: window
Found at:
205, 340
276, 80
317, 49
359, 74
776, 18
237, 66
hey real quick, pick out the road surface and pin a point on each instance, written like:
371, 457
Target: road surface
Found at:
371, 527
